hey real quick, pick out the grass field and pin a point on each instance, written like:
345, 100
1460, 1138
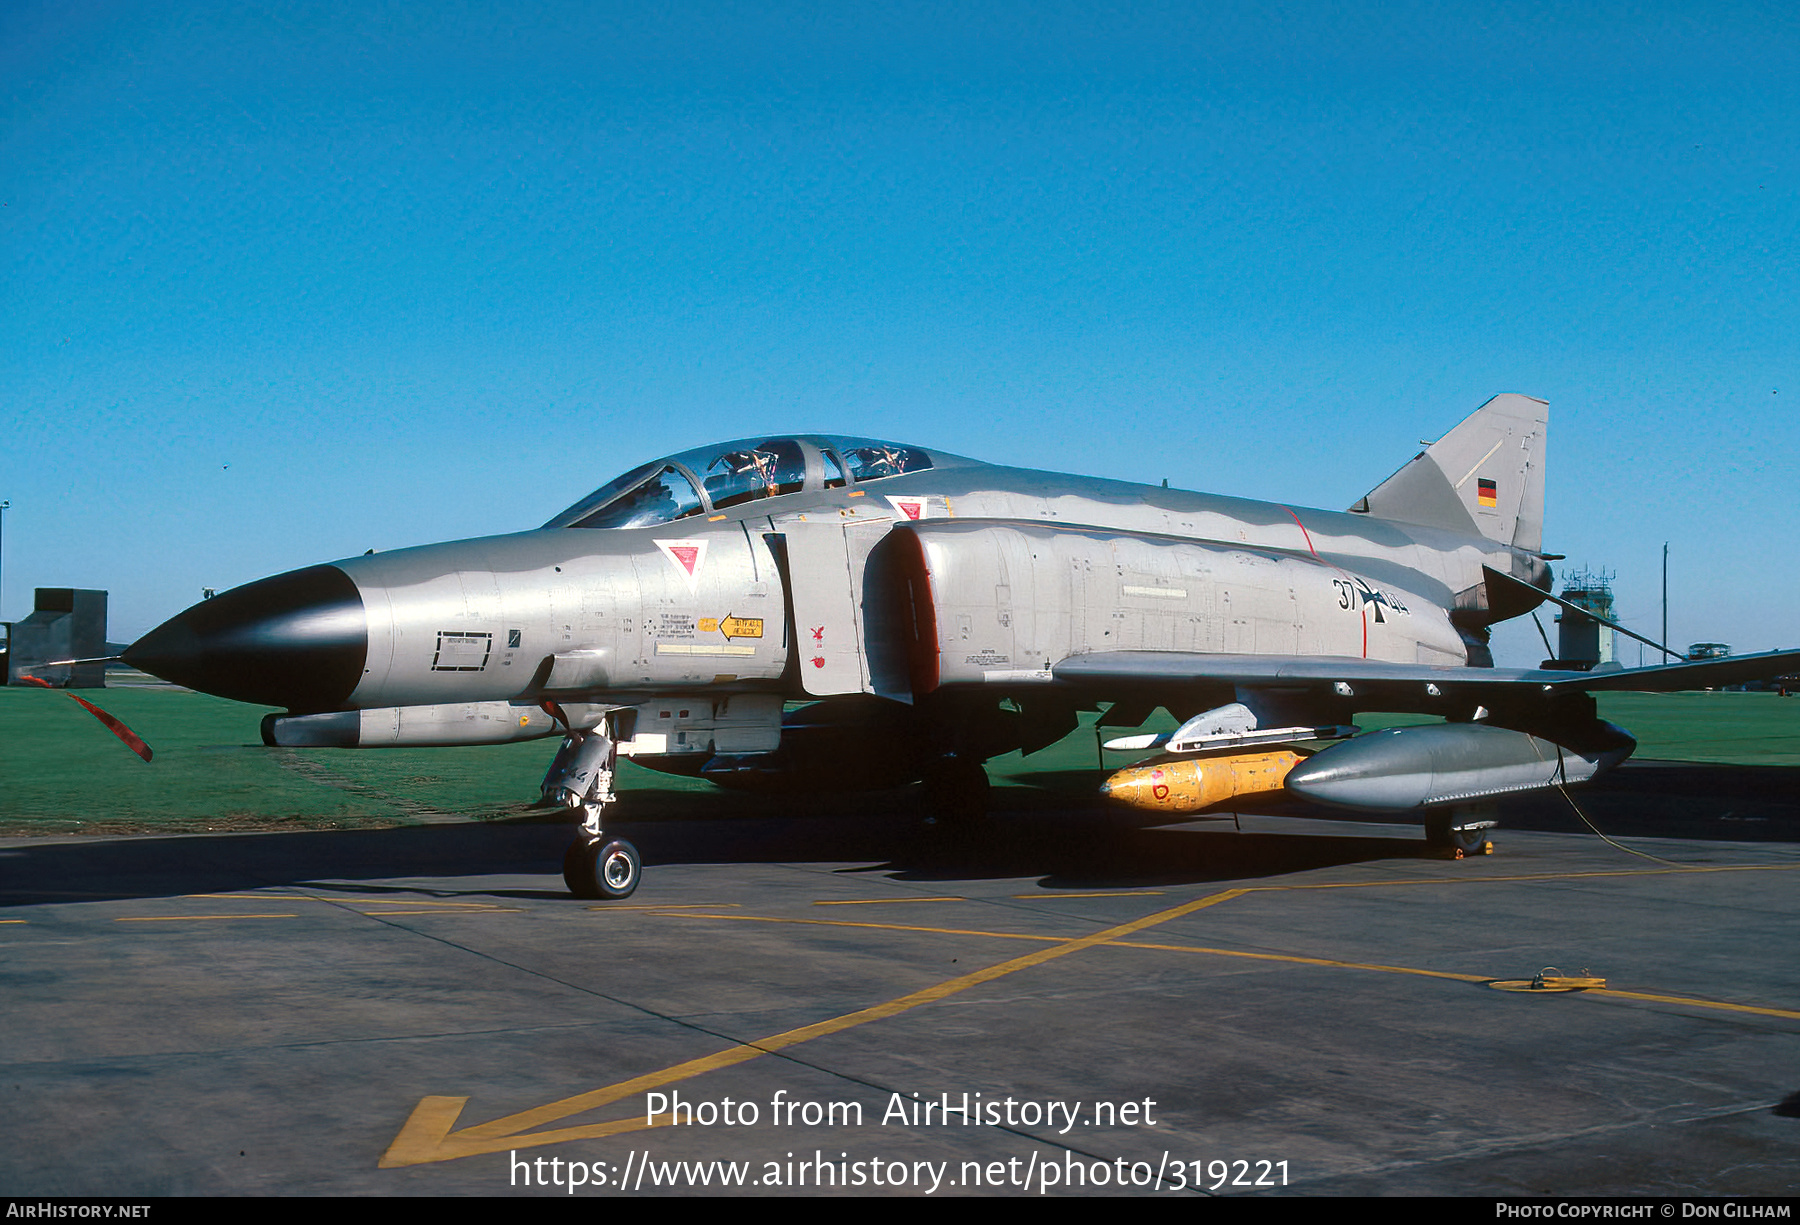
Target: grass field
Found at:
61, 772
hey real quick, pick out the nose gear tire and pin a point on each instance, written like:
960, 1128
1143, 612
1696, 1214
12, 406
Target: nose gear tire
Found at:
602, 870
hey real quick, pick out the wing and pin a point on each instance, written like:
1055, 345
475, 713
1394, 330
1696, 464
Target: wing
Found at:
1506, 730
1298, 693
1372, 682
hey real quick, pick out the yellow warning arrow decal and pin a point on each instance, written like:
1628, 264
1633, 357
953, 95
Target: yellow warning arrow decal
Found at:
741, 627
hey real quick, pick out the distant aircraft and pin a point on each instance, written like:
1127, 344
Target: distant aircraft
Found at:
936, 611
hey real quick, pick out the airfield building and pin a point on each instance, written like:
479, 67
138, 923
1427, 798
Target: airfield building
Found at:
65, 623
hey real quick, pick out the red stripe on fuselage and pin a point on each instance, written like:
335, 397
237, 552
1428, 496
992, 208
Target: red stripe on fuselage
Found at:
1303, 531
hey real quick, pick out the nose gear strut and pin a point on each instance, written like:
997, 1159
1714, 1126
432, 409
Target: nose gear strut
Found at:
581, 777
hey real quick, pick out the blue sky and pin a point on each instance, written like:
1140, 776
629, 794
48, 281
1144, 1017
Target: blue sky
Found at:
283, 287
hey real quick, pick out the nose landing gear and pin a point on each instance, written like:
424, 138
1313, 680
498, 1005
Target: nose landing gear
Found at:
581, 777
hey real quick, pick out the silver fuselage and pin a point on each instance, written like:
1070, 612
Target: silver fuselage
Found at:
1026, 569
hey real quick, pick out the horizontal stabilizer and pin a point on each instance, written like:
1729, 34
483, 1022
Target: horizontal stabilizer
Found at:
1499, 585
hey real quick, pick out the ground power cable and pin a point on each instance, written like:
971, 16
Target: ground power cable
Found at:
1561, 785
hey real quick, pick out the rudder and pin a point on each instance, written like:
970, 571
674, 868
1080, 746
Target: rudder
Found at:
1483, 478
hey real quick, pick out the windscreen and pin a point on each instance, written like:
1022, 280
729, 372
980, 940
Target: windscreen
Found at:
643, 497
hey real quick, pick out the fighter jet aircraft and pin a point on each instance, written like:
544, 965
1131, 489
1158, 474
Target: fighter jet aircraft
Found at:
935, 611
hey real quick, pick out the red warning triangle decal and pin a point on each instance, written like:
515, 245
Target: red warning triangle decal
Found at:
688, 556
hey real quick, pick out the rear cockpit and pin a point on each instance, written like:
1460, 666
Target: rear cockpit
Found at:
708, 480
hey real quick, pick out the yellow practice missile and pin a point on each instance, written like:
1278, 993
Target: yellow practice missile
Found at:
1188, 784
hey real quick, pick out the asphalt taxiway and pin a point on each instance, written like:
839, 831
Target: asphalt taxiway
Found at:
1297, 1005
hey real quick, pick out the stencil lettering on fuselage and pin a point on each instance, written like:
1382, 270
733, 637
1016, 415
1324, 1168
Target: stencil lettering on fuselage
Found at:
461, 652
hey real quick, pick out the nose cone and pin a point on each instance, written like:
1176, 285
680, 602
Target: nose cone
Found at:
297, 640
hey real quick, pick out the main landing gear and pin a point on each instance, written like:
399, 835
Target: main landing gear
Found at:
581, 777
956, 790
1462, 830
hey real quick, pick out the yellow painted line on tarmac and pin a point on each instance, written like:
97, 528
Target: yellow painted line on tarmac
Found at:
1682, 999
1693, 1001
436, 907
252, 897
1526, 878
412, 906
672, 906
891, 927
256, 897
1290, 958
349, 900
171, 918
891, 901
1039, 897
428, 1134
463, 911
1123, 944
452, 906
1304, 961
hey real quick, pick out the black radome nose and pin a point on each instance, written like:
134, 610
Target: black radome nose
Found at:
298, 640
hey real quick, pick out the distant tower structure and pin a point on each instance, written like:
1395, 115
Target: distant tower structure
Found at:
1582, 639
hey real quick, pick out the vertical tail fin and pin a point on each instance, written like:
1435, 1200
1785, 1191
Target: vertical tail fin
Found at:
1483, 478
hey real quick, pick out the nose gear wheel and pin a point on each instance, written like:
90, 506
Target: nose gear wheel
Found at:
603, 870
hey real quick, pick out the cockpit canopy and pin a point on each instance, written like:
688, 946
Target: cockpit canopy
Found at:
710, 479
